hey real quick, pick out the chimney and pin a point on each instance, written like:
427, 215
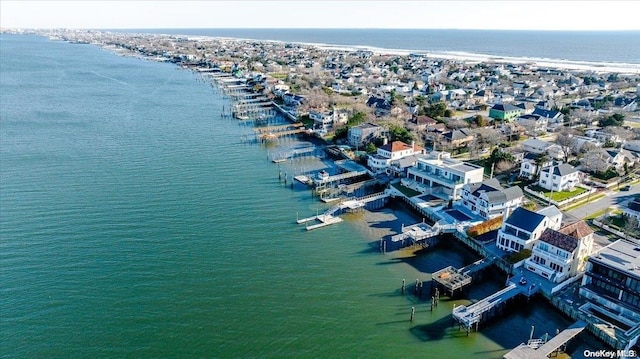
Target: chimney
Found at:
413, 146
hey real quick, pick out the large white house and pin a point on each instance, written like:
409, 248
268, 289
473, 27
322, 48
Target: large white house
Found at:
563, 177
560, 255
489, 200
395, 150
440, 173
523, 227
325, 120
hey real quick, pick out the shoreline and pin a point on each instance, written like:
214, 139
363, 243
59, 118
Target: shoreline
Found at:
463, 56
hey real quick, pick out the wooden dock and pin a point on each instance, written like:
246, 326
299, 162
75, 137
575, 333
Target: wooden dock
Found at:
328, 218
473, 314
541, 349
267, 129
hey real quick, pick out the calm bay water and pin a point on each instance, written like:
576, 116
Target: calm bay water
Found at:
134, 222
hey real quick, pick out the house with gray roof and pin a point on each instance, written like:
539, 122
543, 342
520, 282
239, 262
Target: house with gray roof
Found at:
523, 227
558, 178
489, 200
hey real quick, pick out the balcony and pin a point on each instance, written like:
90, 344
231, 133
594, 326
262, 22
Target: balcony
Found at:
430, 175
551, 256
545, 271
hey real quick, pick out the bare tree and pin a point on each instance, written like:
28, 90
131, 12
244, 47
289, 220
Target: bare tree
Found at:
631, 225
595, 161
566, 141
620, 132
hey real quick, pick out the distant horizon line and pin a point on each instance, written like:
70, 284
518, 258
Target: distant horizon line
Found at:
312, 28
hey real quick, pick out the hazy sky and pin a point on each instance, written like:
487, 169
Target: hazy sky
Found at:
514, 14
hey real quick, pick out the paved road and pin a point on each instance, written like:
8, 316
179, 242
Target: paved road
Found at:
612, 199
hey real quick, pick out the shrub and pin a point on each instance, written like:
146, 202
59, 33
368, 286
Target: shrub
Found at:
517, 257
484, 227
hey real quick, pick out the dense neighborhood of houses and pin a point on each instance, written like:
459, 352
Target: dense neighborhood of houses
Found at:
512, 142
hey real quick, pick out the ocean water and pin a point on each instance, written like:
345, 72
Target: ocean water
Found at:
134, 222
595, 47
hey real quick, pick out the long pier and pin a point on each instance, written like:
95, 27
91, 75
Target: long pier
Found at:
338, 178
469, 316
328, 218
272, 129
541, 349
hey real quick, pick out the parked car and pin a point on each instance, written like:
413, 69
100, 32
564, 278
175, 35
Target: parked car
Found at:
625, 188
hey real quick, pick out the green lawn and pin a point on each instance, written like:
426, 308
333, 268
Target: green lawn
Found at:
405, 190
559, 196
595, 215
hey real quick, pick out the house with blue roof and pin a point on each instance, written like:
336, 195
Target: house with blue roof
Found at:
523, 227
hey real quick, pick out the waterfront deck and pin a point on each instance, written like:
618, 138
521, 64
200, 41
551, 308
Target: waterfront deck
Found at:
329, 218
416, 232
338, 178
469, 316
538, 349
451, 278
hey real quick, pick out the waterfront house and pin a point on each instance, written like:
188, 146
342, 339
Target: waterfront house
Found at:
292, 100
324, 121
439, 173
504, 112
489, 200
362, 134
611, 285
523, 227
389, 152
562, 177
560, 255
